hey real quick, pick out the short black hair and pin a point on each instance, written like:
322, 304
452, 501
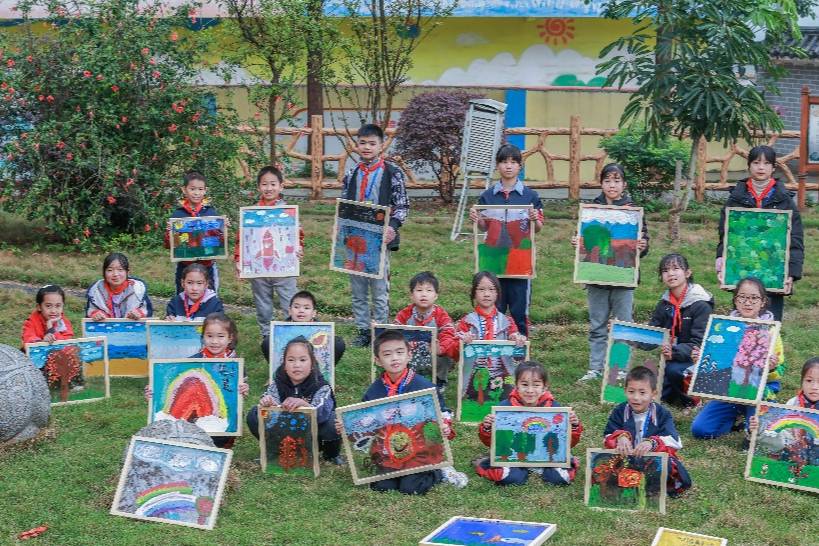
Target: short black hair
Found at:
478, 277
671, 260
305, 295
424, 277
190, 176
115, 257
759, 286
509, 151
531, 366
641, 373
196, 267
809, 365
385, 336
370, 129
233, 331
49, 289
612, 168
269, 169
762, 151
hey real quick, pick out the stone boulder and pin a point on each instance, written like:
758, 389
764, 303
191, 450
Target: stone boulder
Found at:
25, 403
177, 431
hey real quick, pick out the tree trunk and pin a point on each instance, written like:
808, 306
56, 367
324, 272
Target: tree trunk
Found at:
271, 126
315, 91
682, 192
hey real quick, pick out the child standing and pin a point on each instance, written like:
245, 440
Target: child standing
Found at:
48, 321
117, 294
531, 390
640, 426
377, 181
609, 301
511, 191
196, 300
762, 191
486, 322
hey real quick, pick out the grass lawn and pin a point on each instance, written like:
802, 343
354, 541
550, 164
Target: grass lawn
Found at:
66, 479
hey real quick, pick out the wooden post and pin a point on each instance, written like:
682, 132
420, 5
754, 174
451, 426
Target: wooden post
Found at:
574, 158
316, 156
699, 185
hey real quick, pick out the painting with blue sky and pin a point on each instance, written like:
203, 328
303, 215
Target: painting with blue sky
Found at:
536, 437
359, 246
466, 531
174, 339
631, 345
269, 241
607, 245
198, 238
76, 370
127, 345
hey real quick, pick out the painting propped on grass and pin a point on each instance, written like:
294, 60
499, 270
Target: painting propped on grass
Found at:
486, 376
673, 537
631, 345
606, 252
76, 370
507, 247
463, 531
127, 345
614, 482
288, 441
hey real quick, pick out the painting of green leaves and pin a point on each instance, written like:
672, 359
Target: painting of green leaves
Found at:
757, 244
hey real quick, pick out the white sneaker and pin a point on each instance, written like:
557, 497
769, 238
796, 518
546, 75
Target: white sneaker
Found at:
591, 374
453, 477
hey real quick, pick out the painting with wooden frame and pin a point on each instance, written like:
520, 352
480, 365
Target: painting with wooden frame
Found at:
784, 449
631, 345
733, 362
464, 531
756, 243
288, 441
606, 253
531, 437
198, 238
394, 436
321, 336
615, 482
269, 241
486, 375
127, 345
423, 344
809, 130
173, 338
673, 537
76, 370
507, 246
359, 239
172, 482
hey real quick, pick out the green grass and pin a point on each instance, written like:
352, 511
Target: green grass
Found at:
66, 479
779, 471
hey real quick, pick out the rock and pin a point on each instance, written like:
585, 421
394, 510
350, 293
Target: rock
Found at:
177, 431
25, 403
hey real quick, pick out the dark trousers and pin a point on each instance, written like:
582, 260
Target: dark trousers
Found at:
673, 392
213, 274
413, 484
338, 351
329, 439
776, 305
514, 296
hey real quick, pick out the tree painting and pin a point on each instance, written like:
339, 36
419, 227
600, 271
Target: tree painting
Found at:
552, 443
752, 353
626, 483
359, 232
631, 345
480, 380
756, 244
293, 453
62, 367
357, 245
76, 370
607, 245
531, 437
288, 441
523, 444
503, 444
597, 242
486, 377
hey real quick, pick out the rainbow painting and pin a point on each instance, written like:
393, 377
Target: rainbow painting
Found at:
531, 437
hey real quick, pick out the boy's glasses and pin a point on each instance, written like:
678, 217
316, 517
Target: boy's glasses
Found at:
748, 299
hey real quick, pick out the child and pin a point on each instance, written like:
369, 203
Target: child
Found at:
118, 295
194, 204
392, 353
270, 183
609, 301
764, 192
640, 426
531, 390
48, 322
377, 181
196, 300
683, 309
808, 396
299, 384
486, 322
717, 417
423, 311
511, 191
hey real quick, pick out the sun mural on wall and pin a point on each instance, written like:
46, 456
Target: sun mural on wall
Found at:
556, 31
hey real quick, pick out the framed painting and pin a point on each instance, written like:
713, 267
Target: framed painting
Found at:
466, 531
614, 482
394, 436
606, 252
809, 132
486, 376
321, 336
76, 370
127, 345
756, 244
631, 345
289, 441
531, 437
173, 339
673, 537
507, 246
198, 238
359, 238
733, 363
785, 448
269, 241
172, 482
203, 391
423, 344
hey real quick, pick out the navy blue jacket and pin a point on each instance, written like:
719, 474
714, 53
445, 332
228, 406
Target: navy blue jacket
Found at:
379, 390
210, 304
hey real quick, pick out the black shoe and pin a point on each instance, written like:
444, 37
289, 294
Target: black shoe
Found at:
363, 339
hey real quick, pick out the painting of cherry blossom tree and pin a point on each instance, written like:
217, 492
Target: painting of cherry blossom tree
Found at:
359, 239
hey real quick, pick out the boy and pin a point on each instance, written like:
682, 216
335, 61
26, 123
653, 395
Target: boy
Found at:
269, 181
515, 293
376, 181
392, 353
194, 204
423, 311
640, 426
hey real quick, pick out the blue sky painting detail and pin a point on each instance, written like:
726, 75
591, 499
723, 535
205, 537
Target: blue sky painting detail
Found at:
127, 344
532, 437
269, 242
639, 335
474, 532
178, 340
320, 335
89, 351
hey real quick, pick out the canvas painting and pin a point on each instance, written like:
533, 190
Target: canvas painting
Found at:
394, 436
172, 482
174, 339
507, 247
614, 482
198, 238
269, 241
785, 449
359, 243
536, 437
203, 391
631, 345
289, 441
321, 336
813, 135
76, 370
606, 251
673, 537
733, 364
127, 345
465, 531
486, 376
757, 244
423, 344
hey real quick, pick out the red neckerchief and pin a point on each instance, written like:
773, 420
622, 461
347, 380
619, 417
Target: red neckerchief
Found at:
758, 198
192, 211
396, 387
192, 309
263, 203
676, 319
804, 402
490, 321
545, 401
113, 292
207, 354
365, 176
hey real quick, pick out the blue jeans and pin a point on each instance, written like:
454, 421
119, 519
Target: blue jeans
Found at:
362, 288
717, 418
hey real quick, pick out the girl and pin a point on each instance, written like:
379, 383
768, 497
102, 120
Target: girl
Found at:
683, 309
48, 322
196, 300
808, 395
117, 295
485, 322
531, 390
717, 418
299, 384
764, 192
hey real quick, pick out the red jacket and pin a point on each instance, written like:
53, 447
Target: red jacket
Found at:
263, 203
447, 339
34, 328
545, 401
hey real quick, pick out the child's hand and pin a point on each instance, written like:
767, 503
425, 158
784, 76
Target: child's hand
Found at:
623, 445
338, 426
773, 361
390, 236
695, 353
753, 423
788, 286
50, 338
467, 337
244, 388
149, 393
133, 314
488, 421
473, 214
642, 244
533, 214
718, 265
520, 340
300, 253
667, 351
267, 401
643, 448
291, 402
574, 420
97, 315
51, 323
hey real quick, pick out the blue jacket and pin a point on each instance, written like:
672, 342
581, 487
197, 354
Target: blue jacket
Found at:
210, 304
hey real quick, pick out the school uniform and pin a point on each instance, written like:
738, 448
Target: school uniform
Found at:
132, 295
186, 210
447, 339
801, 401
183, 308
